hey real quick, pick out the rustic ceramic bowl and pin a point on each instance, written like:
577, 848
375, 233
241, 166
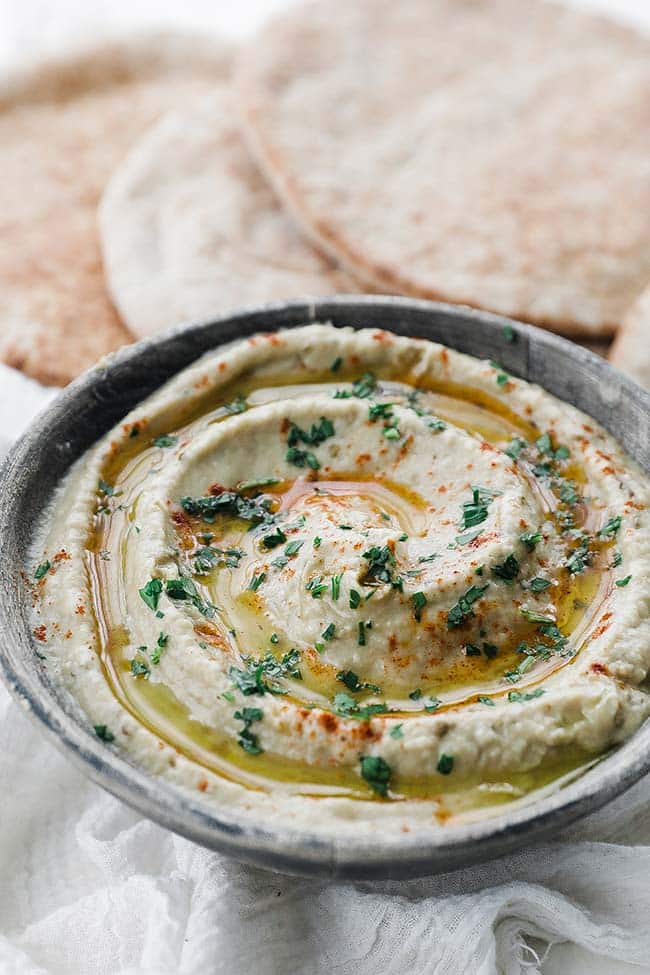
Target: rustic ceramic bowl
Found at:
98, 399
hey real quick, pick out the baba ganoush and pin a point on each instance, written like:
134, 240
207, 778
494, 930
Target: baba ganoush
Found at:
360, 579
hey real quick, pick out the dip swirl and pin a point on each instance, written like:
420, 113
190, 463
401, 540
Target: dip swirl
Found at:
359, 578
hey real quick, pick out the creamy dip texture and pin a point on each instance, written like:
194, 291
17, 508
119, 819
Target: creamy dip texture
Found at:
355, 578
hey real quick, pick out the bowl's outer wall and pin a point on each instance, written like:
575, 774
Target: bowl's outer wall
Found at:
98, 400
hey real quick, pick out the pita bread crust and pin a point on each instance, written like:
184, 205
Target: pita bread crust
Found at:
631, 349
191, 228
487, 152
63, 128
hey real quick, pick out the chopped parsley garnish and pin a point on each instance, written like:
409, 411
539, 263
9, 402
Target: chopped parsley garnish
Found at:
274, 539
255, 510
471, 650
302, 458
318, 433
316, 587
104, 732
293, 547
274, 638
428, 558
347, 707
261, 676
538, 584
509, 333
380, 411
445, 764
106, 489
468, 537
206, 558
623, 582
501, 376
579, 559
140, 668
256, 582
610, 528
238, 405
476, 510
416, 694
507, 570
518, 698
329, 632
616, 561
361, 634
161, 643
336, 585
246, 738
150, 593
515, 447
165, 440
487, 701
396, 732
490, 650
381, 562
183, 589
530, 539
543, 444
568, 493
257, 482
336, 365
361, 388
534, 617
355, 599
42, 569
352, 682
462, 610
317, 541
377, 773
419, 601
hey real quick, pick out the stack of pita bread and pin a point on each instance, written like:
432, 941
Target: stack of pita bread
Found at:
490, 153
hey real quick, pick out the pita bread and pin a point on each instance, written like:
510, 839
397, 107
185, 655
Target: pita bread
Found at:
190, 228
63, 128
631, 349
486, 152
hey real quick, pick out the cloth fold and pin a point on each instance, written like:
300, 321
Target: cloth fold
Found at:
89, 886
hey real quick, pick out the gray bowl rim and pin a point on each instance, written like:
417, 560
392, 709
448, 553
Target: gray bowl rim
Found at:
108, 389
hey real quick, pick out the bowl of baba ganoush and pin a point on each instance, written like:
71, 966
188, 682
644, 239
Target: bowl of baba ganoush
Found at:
353, 587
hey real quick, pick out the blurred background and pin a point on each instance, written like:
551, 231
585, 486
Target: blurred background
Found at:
31, 28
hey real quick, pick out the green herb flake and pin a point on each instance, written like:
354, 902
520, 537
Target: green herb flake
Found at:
246, 739
445, 764
302, 458
623, 582
165, 440
317, 542
104, 732
418, 601
361, 634
377, 773
506, 570
530, 539
610, 528
329, 632
538, 584
396, 731
274, 539
509, 333
161, 643
336, 364
355, 599
42, 569
336, 585
518, 698
238, 405
462, 610
293, 548
488, 701
257, 482
150, 593
256, 582
140, 668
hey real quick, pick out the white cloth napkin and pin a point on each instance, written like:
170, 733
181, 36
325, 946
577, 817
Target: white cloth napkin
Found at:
89, 887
